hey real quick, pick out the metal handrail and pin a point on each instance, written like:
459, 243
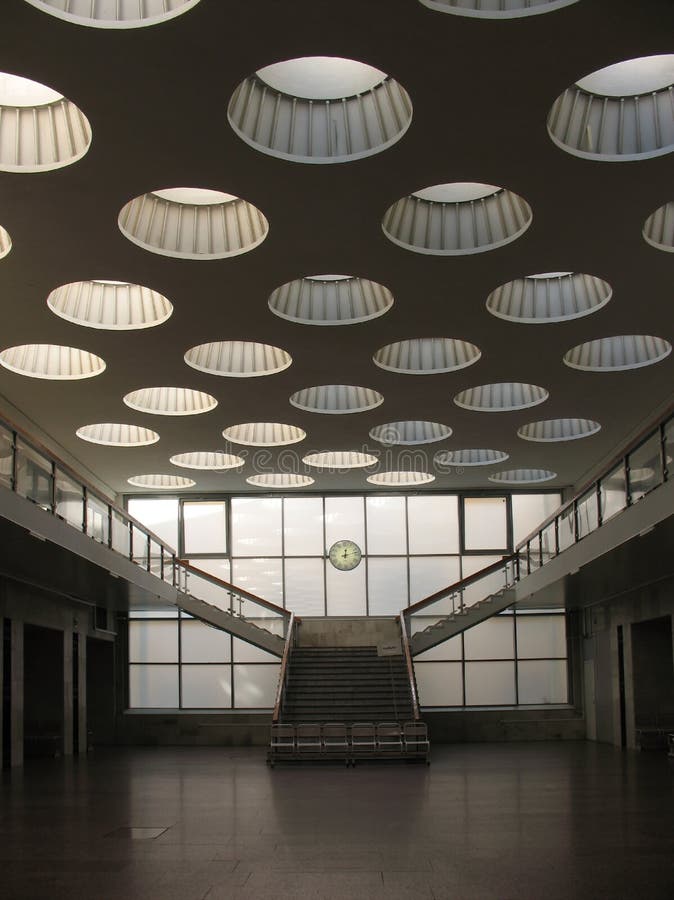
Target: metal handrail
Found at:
283, 672
407, 652
232, 588
462, 583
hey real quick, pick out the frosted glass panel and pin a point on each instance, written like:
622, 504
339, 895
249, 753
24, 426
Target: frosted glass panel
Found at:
613, 492
262, 577
485, 586
346, 591
387, 586
542, 681
541, 636
490, 683
255, 686
201, 644
386, 525
256, 526
218, 567
153, 687
431, 573
303, 526
153, 641
450, 649
305, 587
344, 518
205, 526
439, 684
245, 652
433, 524
529, 510
493, 639
160, 516
485, 523
645, 468
207, 687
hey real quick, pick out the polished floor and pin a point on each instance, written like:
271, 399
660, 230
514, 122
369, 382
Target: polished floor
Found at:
483, 822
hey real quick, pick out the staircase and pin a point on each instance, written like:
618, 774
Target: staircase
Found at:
346, 684
448, 626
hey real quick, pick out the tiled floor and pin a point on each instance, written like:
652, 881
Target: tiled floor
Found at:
494, 822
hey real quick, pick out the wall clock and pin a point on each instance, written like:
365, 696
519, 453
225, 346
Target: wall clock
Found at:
345, 555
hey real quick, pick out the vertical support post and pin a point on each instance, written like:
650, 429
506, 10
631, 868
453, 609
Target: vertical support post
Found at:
68, 712
16, 694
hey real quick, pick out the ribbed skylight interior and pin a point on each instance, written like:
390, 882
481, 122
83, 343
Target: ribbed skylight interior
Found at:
5, 242
548, 298
496, 9
659, 228
522, 476
170, 401
114, 13
52, 361
264, 434
558, 430
427, 356
238, 359
470, 457
501, 397
161, 482
114, 434
339, 459
336, 399
400, 479
410, 432
280, 480
207, 460
115, 306
330, 300
618, 353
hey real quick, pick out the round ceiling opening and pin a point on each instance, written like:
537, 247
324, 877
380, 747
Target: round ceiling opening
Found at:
170, 401
400, 479
52, 361
548, 298
522, 477
206, 460
113, 434
161, 482
619, 353
110, 305
496, 9
339, 459
471, 457
336, 399
552, 430
426, 356
114, 13
5, 242
501, 397
658, 228
238, 359
264, 434
280, 480
409, 433
330, 300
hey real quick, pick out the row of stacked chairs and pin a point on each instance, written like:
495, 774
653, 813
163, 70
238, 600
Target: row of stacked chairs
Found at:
349, 743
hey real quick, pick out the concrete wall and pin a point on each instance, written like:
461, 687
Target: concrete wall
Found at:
342, 632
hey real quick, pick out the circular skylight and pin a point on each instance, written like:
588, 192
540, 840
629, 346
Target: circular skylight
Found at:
238, 359
330, 300
264, 434
659, 228
426, 356
113, 434
618, 353
472, 457
161, 482
558, 430
39, 129
496, 9
505, 396
193, 223
401, 479
550, 297
114, 13
522, 477
456, 219
52, 361
336, 399
621, 112
411, 432
5, 242
112, 305
170, 401
280, 480
339, 459
320, 109
202, 459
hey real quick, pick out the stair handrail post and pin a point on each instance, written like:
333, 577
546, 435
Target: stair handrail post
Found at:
407, 652
283, 672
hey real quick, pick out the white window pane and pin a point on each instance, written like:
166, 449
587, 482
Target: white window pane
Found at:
153, 641
529, 510
541, 636
430, 574
245, 652
493, 639
344, 519
346, 591
451, 649
387, 586
218, 567
255, 686
205, 526
256, 526
542, 681
305, 587
613, 492
488, 584
160, 516
485, 523
303, 526
262, 577
439, 684
153, 687
201, 644
386, 525
207, 687
433, 524
171, 613
490, 683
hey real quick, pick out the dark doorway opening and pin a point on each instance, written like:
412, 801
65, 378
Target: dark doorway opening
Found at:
653, 667
43, 698
100, 692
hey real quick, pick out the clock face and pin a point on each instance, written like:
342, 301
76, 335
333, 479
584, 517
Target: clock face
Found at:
345, 555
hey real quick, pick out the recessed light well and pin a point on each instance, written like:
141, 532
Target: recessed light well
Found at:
161, 482
400, 479
619, 353
5, 242
552, 430
110, 305
522, 477
426, 356
471, 457
210, 461
114, 434
496, 9
456, 219
550, 297
336, 399
320, 109
39, 129
264, 434
238, 359
339, 459
52, 361
409, 433
658, 228
170, 401
330, 300
114, 13
280, 480
193, 223
504, 396
619, 113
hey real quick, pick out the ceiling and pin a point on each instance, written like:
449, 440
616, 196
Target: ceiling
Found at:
156, 99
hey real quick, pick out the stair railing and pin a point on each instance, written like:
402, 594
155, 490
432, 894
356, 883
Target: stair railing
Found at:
283, 672
407, 653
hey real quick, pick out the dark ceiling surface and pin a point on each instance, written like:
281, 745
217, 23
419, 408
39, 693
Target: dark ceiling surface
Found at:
156, 99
